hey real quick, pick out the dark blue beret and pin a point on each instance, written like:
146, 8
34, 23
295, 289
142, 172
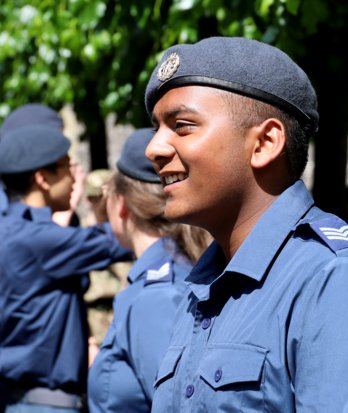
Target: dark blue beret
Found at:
239, 65
133, 162
31, 148
31, 114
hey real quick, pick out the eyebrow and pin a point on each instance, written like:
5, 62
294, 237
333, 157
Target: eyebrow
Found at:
180, 110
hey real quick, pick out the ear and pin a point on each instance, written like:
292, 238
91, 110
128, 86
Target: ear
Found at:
269, 143
123, 209
41, 181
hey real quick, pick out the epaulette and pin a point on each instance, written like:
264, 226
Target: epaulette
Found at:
159, 272
333, 231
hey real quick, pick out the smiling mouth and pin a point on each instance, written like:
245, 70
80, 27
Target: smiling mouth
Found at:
171, 179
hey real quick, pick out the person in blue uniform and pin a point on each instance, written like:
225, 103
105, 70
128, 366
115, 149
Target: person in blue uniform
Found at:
122, 375
44, 273
28, 114
263, 326
40, 114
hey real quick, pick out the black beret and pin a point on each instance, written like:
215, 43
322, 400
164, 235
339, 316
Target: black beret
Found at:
31, 148
31, 114
133, 162
243, 66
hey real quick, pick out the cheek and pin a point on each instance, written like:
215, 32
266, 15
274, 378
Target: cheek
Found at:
62, 188
66, 183
224, 170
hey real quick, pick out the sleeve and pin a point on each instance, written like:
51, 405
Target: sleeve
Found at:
320, 356
66, 251
150, 323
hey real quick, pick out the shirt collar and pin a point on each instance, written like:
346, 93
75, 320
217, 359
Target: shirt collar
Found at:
43, 214
262, 243
156, 252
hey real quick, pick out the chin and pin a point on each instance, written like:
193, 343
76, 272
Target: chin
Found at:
194, 217
177, 216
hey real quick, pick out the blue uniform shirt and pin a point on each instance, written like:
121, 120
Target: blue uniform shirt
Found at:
43, 275
122, 375
268, 331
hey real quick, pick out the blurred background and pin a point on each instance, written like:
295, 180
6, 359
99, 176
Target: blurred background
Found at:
91, 59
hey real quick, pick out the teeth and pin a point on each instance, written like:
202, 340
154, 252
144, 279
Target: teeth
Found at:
174, 178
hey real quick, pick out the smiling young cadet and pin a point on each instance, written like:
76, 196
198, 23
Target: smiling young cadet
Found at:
44, 273
264, 325
122, 375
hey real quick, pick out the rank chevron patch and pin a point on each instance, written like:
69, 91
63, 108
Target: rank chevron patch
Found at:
163, 274
333, 231
336, 233
154, 275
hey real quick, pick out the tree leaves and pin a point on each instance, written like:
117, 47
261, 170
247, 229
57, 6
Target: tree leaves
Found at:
52, 50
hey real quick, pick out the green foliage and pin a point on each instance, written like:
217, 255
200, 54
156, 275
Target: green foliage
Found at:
99, 54
59, 51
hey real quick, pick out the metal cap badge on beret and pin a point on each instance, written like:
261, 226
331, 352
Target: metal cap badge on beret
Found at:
133, 162
31, 114
30, 148
239, 65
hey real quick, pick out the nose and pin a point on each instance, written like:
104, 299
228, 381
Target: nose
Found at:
159, 150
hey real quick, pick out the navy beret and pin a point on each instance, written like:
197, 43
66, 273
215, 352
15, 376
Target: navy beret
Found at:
31, 148
243, 66
133, 162
31, 114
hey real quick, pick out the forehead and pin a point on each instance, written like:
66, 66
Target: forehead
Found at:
194, 99
66, 157
64, 160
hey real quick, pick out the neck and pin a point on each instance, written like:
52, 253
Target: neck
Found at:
34, 199
231, 237
141, 241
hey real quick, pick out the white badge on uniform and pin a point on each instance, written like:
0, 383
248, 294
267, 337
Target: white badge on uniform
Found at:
333, 231
164, 273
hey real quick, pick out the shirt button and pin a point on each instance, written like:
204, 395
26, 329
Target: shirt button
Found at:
189, 390
206, 323
218, 375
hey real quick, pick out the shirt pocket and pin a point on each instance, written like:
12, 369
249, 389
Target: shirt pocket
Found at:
231, 364
234, 374
169, 364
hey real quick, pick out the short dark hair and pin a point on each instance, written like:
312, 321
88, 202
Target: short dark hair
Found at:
18, 185
247, 112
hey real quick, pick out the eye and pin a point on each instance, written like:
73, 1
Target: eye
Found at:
183, 127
